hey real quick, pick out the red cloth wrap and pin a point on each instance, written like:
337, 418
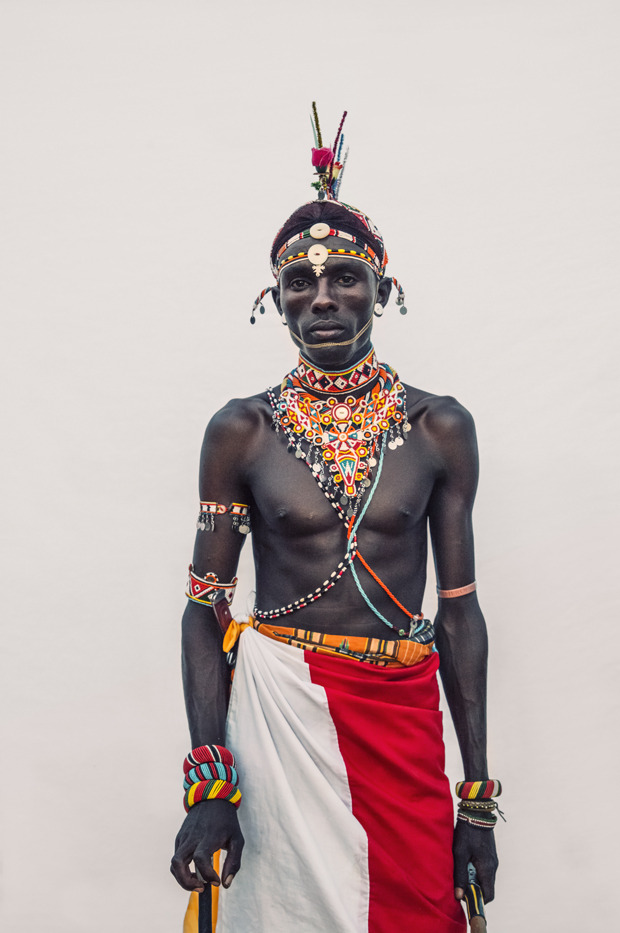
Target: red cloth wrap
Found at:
390, 736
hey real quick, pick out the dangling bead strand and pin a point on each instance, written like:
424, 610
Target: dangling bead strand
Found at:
259, 304
400, 300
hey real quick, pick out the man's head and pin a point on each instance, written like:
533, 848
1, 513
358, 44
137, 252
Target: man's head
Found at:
329, 260
324, 232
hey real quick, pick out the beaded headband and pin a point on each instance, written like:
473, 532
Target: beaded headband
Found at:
318, 253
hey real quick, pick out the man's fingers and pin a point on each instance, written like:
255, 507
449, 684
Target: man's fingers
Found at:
179, 866
486, 880
460, 875
233, 859
206, 869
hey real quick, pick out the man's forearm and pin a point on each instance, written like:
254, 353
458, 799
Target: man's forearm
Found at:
462, 646
206, 678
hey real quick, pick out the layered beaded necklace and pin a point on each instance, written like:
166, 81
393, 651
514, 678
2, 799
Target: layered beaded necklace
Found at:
342, 439
337, 436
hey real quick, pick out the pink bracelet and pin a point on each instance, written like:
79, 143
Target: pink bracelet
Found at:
461, 591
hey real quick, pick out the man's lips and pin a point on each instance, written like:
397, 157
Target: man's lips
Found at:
326, 328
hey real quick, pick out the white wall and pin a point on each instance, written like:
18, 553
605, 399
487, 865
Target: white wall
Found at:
149, 152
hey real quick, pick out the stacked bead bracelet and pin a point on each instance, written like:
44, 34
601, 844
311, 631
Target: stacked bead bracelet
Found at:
476, 804
210, 774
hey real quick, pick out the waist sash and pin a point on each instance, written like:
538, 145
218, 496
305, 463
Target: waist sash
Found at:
347, 814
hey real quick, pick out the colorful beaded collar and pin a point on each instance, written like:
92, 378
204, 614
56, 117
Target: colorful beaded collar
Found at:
317, 254
337, 437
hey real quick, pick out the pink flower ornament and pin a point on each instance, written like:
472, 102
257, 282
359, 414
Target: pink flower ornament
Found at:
321, 158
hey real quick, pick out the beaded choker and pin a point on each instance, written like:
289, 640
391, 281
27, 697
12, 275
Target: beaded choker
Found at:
348, 380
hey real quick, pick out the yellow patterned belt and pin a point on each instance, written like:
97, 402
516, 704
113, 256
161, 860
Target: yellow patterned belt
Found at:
382, 652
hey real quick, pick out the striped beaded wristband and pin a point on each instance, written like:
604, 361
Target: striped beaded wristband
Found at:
205, 753
211, 771
478, 790
211, 790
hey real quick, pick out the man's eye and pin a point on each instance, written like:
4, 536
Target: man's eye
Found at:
298, 284
347, 279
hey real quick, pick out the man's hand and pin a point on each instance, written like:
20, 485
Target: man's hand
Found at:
209, 826
477, 846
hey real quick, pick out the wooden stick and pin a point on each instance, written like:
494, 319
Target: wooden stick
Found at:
204, 910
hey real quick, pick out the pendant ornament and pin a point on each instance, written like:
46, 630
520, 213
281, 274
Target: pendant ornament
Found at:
317, 255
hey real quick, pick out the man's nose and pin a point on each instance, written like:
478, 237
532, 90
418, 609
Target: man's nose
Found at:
323, 296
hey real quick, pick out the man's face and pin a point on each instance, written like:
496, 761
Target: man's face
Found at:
331, 307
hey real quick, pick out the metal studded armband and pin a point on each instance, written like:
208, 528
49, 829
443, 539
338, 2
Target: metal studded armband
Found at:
238, 511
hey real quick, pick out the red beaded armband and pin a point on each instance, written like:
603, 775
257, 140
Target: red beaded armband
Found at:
203, 589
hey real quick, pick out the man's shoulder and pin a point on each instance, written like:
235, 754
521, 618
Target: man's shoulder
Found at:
239, 418
441, 417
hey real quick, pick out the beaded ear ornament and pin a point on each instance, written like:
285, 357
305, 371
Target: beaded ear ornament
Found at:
329, 164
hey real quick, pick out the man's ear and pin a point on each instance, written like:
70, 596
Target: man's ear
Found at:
275, 294
384, 290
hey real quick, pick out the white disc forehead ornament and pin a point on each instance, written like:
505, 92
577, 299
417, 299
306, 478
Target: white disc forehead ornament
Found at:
319, 231
317, 254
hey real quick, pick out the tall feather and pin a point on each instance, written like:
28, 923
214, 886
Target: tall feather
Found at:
318, 128
316, 138
339, 179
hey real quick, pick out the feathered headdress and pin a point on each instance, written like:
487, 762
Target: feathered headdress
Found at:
327, 161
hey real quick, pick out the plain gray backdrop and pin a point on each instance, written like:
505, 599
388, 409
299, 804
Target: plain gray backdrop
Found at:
150, 149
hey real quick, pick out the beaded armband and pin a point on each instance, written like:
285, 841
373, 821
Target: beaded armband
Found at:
238, 511
203, 589
210, 774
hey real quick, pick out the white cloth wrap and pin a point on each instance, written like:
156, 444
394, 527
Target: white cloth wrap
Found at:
305, 862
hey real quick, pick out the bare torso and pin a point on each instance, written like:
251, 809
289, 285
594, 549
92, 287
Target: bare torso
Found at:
298, 538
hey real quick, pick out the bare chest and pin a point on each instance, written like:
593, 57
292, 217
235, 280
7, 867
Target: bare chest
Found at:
289, 502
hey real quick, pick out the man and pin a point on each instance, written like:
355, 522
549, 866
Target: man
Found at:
346, 812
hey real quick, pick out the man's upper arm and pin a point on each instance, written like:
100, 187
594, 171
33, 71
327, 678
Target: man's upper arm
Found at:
223, 478
453, 438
